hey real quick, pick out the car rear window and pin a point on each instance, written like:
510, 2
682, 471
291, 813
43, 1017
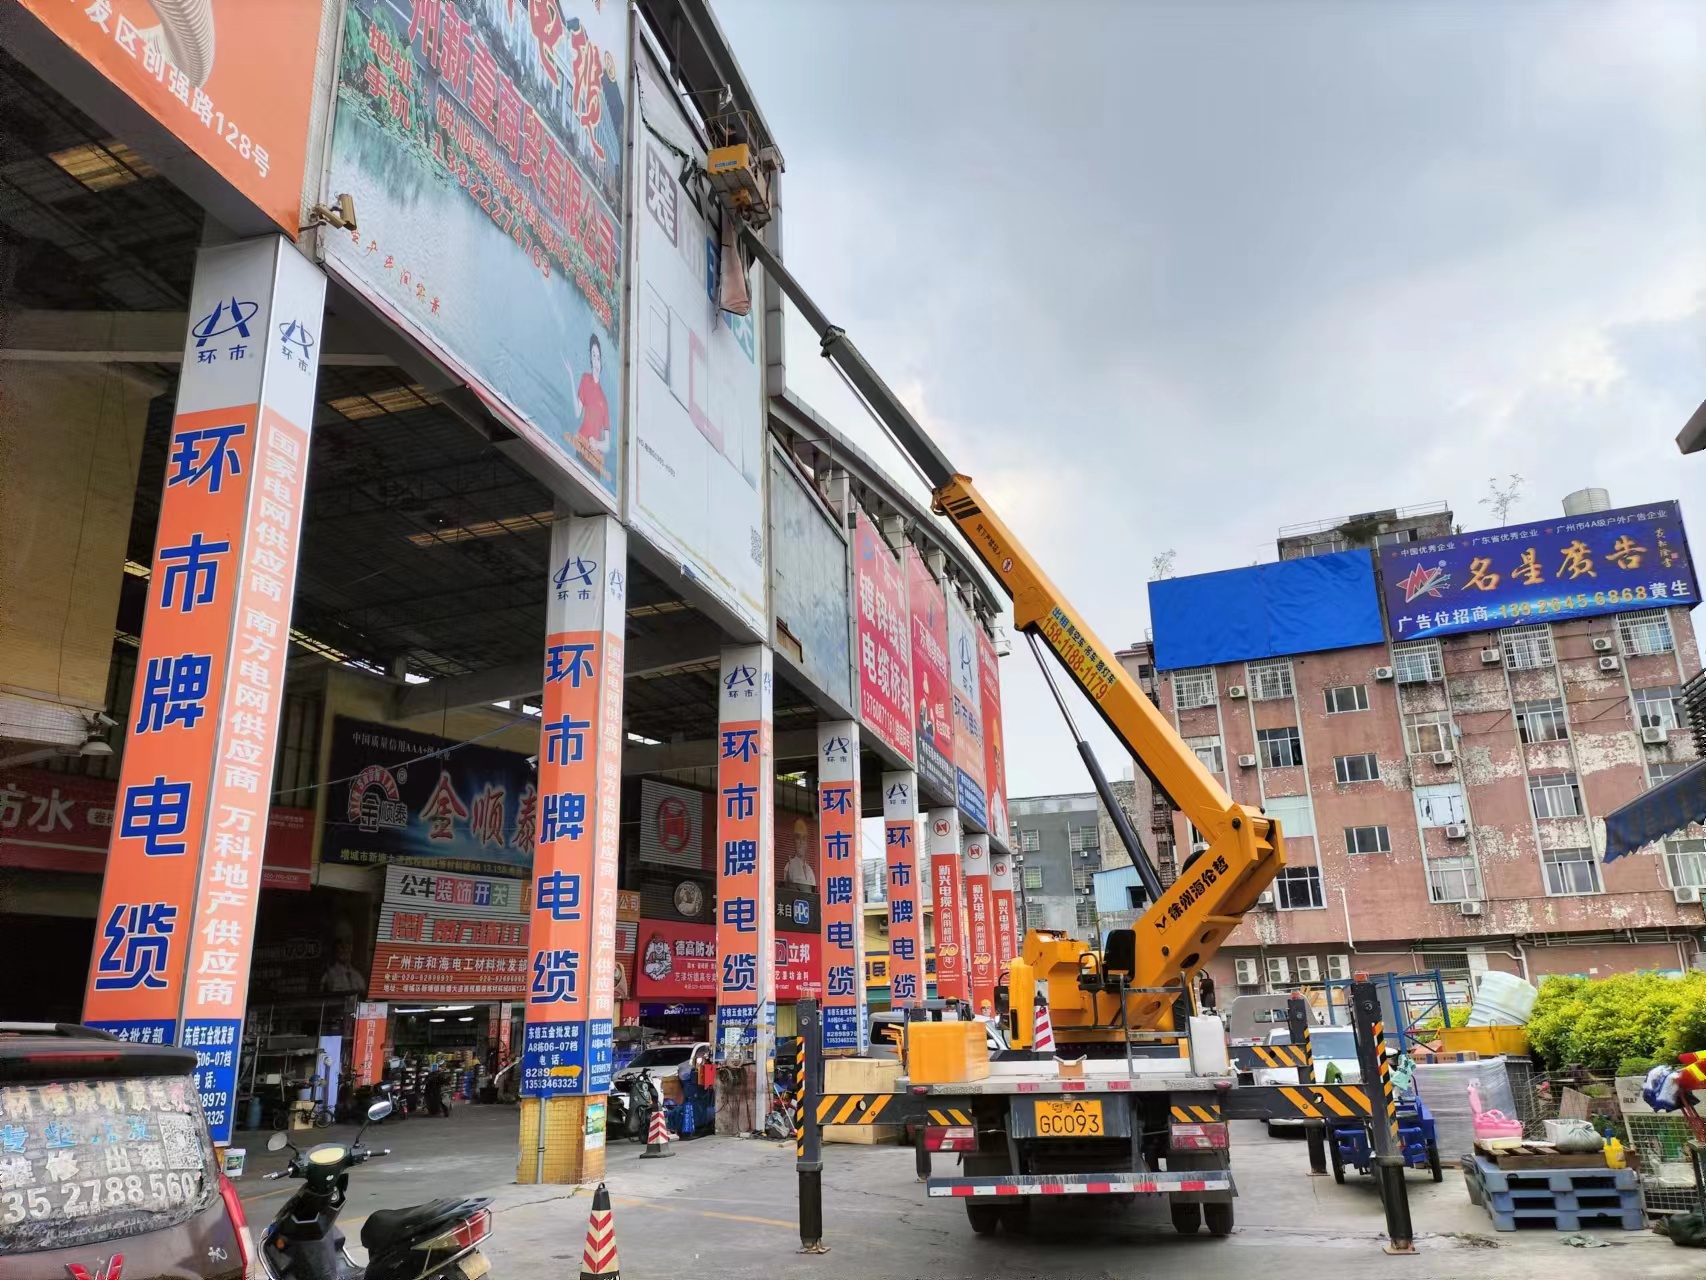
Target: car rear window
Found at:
1333, 1044
89, 1160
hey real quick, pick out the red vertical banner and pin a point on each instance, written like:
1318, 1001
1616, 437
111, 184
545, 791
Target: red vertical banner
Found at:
175, 929
942, 836
746, 891
567, 1045
994, 744
844, 1024
980, 926
933, 716
367, 1055
884, 639
1006, 921
906, 913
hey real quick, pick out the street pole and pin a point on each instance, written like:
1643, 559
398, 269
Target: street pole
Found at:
1383, 1124
1315, 1131
809, 1146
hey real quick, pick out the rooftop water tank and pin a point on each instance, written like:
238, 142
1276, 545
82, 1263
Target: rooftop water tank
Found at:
1585, 502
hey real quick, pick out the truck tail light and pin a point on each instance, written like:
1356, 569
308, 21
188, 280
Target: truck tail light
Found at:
950, 1138
1199, 1137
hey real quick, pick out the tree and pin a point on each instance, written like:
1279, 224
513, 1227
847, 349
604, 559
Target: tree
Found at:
1161, 566
1502, 500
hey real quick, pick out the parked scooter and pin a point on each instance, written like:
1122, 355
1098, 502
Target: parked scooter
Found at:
631, 1110
440, 1238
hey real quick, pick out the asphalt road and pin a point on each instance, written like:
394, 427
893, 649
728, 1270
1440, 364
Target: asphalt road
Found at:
725, 1209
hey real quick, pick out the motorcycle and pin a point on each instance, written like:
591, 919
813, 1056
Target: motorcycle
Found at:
438, 1239
631, 1109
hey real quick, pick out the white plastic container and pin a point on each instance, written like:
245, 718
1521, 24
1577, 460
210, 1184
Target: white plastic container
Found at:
1502, 1000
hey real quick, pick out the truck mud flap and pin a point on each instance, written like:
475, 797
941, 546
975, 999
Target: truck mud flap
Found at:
1082, 1184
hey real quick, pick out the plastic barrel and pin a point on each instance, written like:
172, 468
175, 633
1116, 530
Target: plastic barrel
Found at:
1502, 1000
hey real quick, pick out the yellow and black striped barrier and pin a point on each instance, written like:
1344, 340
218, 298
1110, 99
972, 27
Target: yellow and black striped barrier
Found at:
1254, 1057
1194, 1114
867, 1108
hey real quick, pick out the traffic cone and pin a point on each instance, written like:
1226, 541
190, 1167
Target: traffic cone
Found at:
1043, 1040
657, 1137
599, 1260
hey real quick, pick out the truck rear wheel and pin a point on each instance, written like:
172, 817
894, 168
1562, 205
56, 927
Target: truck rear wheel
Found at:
1219, 1217
984, 1218
1187, 1216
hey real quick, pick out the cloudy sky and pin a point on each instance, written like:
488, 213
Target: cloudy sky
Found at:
1169, 276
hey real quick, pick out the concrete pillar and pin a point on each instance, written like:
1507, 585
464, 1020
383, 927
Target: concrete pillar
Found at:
845, 1027
980, 925
942, 828
745, 1025
906, 912
175, 929
1007, 925
566, 1046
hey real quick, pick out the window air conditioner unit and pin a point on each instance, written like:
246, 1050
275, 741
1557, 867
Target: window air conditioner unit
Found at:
1608, 664
1653, 733
1246, 762
1308, 969
1491, 656
1457, 831
1383, 673
1246, 973
1685, 893
1470, 908
1279, 970
1602, 644
1265, 899
1236, 691
1443, 757
1338, 968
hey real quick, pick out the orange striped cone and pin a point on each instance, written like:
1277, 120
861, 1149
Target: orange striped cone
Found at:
657, 1137
599, 1260
1043, 1041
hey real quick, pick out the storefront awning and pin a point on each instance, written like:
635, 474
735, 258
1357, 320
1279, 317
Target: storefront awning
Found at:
1668, 807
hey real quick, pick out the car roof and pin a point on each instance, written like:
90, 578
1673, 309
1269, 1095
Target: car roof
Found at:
65, 1050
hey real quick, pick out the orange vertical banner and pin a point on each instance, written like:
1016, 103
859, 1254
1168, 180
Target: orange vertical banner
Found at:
906, 915
1006, 922
844, 1023
980, 930
367, 1055
946, 891
746, 890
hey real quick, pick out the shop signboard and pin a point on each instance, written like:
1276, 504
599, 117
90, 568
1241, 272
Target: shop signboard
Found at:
967, 696
482, 142
696, 476
412, 798
233, 82
678, 962
885, 668
933, 714
994, 743
1571, 567
808, 581
796, 870
450, 936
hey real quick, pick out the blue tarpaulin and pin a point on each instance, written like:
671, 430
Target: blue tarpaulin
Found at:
1266, 610
1655, 814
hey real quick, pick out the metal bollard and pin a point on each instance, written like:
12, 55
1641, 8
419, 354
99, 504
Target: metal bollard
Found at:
809, 1151
1369, 1028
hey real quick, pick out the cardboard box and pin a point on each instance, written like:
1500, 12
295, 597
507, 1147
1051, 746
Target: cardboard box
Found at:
861, 1075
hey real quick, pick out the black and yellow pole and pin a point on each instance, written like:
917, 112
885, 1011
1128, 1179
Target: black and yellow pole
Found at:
1315, 1131
808, 1135
1370, 1029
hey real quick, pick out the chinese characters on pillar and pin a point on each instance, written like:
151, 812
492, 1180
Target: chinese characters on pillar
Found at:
1006, 922
980, 931
943, 826
746, 982
906, 912
843, 887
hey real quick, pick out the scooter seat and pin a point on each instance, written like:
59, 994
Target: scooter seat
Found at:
389, 1227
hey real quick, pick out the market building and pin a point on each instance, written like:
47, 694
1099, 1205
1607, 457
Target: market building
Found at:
433, 634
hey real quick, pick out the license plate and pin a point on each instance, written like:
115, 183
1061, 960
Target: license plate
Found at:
474, 1265
1069, 1118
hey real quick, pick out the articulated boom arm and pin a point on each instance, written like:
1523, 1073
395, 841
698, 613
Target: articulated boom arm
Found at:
1192, 917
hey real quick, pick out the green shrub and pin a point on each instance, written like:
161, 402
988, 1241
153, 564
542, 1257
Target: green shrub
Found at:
1601, 1023
1636, 1066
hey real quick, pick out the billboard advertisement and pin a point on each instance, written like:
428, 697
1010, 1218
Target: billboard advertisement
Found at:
482, 142
808, 581
233, 82
407, 797
933, 713
679, 962
672, 825
696, 481
885, 666
994, 746
450, 936
966, 693
1570, 567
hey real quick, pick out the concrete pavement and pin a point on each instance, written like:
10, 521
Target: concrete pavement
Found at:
724, 1209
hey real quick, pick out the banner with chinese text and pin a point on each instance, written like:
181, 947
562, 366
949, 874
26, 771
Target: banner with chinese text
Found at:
967, 697
450, 936
885, 667
980, 925
933, 714
1007, 927
844, 1025
942, 828
746, 920
994, 745
906, 910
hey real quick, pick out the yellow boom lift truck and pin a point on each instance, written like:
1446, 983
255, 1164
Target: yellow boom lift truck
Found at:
1134, 1099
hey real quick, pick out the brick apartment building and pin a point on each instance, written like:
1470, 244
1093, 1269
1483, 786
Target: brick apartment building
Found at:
1443, 796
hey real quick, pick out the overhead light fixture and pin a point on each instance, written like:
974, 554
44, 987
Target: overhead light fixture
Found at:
498, 528
435, 1019
467, 1017
99, 165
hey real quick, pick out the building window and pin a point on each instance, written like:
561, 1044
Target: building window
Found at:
1664, 770
1270, 680
1453, 880
1193, 689
1295, 814
1280, 748
1418, 663
1428, 732
1646, 632
1441, 805
1543, 720
1396, 537
1325, 544
1029, 841
1034, 917
1033, 878
1359, 768
1083, 839
1685, 863
1555, 795
1299, 888
1135, 897
1659, 708
1087, 913
1368, 840
1526, 648
1570, 871
1081, 878
1208, 751
1347, 697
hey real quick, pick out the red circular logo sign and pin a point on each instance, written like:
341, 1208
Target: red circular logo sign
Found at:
674, 826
